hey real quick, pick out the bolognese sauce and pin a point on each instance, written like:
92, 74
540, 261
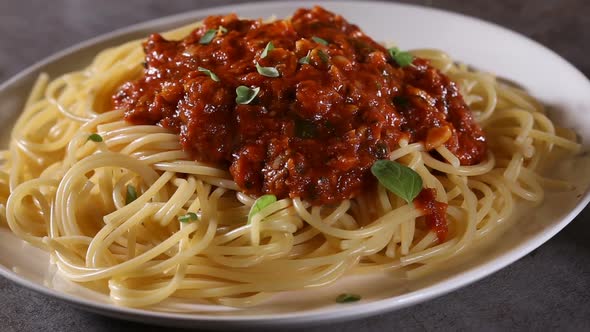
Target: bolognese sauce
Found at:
324, 102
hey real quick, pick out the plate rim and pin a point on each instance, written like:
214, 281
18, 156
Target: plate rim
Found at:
350, 311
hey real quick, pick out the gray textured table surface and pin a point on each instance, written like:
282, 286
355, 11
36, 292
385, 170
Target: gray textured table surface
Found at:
548, 289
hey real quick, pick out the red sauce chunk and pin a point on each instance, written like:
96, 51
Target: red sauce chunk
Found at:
435, 212
339, 103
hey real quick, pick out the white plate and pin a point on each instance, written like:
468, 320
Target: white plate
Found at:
483, 45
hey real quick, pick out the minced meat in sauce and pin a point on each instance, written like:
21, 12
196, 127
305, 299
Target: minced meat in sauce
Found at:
340, 103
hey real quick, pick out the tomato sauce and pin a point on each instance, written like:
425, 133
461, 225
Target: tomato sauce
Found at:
340, 103
435, 212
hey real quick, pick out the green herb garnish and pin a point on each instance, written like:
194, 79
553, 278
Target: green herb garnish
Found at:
191, 216
347, 298
208, 36
269, 47
211, 33
267, 71
262, 202
95, 138
131, 194
402, 58
397, 178
306, 58
380, 150
323, 56
319, 40
304, 128
209, 73
244, 94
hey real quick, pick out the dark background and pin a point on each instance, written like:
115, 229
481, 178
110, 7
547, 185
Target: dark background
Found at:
548, 289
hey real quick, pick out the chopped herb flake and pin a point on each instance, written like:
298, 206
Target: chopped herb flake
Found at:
208, 36
95, 138
380, 150
304, 128
209, 73
267, 71
325, 58
347, 298
191, 216
305, 60
260, 203
269, 47
245, 95
131, 194
319, 40
402, 58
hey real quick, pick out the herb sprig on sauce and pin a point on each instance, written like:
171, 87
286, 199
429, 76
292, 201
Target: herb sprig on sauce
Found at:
209, 73
260, 203
305, 60
269, 47
267, 71
397, 178
245, 95
402, 58
319, 40
210, 35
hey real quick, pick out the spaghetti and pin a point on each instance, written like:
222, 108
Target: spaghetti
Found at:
130, 213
